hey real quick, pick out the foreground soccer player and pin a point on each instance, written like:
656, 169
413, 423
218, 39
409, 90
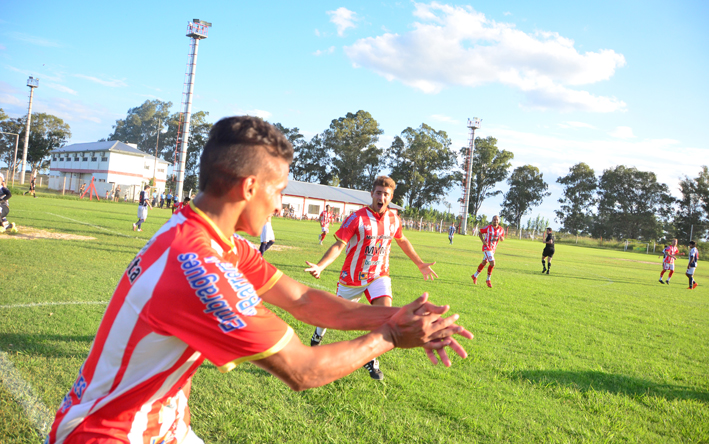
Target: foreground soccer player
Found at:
692, 266
490, 236
367, 234
668, 262
325, 220
548, 252
195, 292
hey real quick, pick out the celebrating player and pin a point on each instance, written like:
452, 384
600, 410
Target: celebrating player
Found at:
451, 232
367, 235
692, 266
195, 292
548, 251
325, 219
490, 236
668, 262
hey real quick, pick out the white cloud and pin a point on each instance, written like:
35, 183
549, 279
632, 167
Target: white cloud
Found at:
580, 125
34, 40
329, 50
265, 115
317, 33
61, 88
506, 13
455, 45
113, 83
343, 18
443, 118
71, 110
623, 132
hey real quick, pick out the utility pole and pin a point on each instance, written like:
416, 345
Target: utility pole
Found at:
32, 83
14, 159
155, 166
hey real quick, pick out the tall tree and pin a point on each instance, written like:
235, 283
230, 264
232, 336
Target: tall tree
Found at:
575, 214
691, 221
8, 141
703, 188
141, 124
199, 133
311, 162
356, 159
527, 190
421, 161
47, 133
631, 204
490, 166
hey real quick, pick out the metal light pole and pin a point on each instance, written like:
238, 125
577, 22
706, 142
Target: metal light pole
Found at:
196, 31
32, 83
472, 126
155, 166
14, 159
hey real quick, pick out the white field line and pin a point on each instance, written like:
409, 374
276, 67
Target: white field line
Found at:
118, 233
39, 414
42, 304
314, 285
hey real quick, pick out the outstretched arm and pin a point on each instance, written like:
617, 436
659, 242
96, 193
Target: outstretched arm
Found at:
330, 255
418, 324
424, 267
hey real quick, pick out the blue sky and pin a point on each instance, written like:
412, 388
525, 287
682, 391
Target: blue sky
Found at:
556, 83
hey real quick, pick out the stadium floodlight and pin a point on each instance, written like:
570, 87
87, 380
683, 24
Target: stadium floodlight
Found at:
473, 124
32, 83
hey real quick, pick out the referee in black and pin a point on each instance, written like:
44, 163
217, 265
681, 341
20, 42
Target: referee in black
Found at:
548, 252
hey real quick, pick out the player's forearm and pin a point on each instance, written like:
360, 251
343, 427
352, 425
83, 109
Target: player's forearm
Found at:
331, 254
323, 309
409, 251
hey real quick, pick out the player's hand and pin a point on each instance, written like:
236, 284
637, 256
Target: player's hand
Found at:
419, 324
427, 271
313, 269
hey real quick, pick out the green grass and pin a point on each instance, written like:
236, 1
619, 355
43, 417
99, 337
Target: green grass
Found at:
597, 351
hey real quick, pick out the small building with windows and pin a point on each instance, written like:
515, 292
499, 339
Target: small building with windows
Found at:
308, 200
111, 163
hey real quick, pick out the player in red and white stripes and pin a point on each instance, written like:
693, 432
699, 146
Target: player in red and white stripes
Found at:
668, 261
195, 292
490, 236
325, 220
367, 235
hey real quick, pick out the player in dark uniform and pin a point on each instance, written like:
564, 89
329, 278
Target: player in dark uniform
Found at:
5, 195
33, 182
143, 205
548, 252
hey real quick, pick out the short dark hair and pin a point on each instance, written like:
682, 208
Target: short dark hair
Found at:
692, 243
234, 150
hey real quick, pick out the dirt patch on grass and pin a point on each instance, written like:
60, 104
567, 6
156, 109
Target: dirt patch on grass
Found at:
29, 233
276, 247
640, 262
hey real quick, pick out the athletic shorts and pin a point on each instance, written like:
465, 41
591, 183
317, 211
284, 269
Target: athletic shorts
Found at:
4, 210
666, 266
690, 271
142, 212
489, 256
376, 289
548, 252
325, 229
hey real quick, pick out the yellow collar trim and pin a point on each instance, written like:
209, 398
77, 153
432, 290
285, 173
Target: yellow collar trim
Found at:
200, 213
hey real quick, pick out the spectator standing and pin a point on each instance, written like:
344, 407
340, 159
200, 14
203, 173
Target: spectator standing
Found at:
267, 236
162, 199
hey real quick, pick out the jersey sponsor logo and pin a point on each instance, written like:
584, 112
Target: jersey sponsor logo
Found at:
349, 220
206, 290
370, 237
363, 276
344, 274
134, 270
376, 249
368, 263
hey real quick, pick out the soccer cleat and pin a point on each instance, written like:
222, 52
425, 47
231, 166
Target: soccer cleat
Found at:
489, 283
475, 279
140, 229
694, 286
133, 227
373, 368
547, 271
544, 271
667, 282
315, 340
661, 281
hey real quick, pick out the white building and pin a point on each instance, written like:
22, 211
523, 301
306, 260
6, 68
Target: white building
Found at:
110, 163
309, 199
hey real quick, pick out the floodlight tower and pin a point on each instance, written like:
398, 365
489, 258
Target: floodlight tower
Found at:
196, 31
473, 124
32, 83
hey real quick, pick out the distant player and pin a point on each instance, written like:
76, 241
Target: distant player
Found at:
33, 182
5, 195
668, 262
180, 205
451, 232
692, 266
367, 235
548, 252
143, 205
325, 220
490, 236
267, 236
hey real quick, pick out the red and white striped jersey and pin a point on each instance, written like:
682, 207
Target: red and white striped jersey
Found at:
670, 254
190, 294
491, 236
368, 236
325, 219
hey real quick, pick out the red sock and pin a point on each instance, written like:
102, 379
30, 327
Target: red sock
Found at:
671, 273
662, 274
480, 267
489, 269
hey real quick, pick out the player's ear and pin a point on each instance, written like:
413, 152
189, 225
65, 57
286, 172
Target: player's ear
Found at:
248, 187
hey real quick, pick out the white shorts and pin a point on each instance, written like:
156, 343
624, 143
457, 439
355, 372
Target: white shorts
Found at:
489, 256
191, 438
690, 270
325, 229
142, 212
668, 266
376, 289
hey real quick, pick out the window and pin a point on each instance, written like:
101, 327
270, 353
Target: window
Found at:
61, 159
147, 167
104, 159
335, 211
94, 159
161, 170
102, 180
85, 159
76, 159
54, 158
313, 209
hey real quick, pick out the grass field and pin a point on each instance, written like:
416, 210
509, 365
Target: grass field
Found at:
597, 351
